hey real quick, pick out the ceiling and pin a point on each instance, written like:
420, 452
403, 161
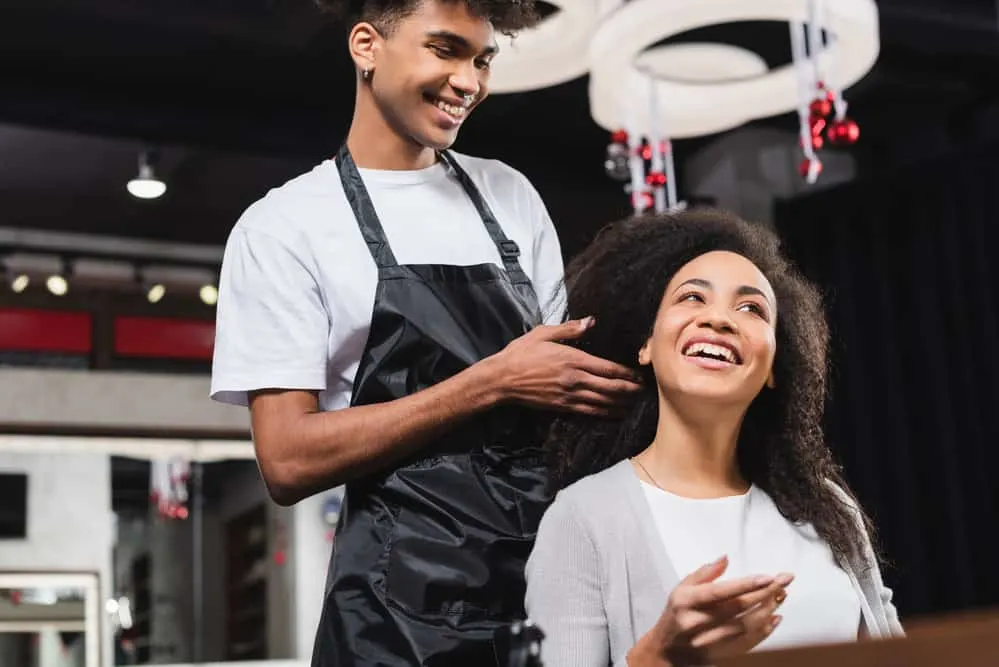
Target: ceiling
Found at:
240, 95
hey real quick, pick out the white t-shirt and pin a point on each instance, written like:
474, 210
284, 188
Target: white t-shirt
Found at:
298, 282
821, 606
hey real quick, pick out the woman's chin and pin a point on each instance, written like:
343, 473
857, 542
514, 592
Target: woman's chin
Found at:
716, 392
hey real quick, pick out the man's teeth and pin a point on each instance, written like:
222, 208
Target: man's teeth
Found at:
709, 350
451, 109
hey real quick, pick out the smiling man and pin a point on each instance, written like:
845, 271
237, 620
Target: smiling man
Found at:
382, 317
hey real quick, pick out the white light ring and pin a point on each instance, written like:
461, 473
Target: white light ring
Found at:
553, 52
711, 63
698, 109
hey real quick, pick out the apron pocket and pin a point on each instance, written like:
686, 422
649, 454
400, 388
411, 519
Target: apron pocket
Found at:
457, 552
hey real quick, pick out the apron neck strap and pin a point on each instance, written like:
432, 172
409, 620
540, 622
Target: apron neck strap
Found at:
364, 210
374, 234
508, 249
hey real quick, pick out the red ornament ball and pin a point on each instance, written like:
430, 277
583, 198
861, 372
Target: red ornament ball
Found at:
619, 137
656, 179
817, 125
816, 141
642, 200
843, 132
820, 107
806, 164
645, 151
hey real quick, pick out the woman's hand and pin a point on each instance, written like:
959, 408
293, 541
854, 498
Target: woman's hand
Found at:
706, 619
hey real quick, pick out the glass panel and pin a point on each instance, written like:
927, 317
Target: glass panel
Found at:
210, 587
42, 624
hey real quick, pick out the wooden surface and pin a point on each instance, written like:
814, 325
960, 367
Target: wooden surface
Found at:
970, 640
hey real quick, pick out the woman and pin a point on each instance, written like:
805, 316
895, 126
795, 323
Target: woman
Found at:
682, 528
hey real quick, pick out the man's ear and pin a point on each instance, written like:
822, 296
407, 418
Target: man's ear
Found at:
364, 43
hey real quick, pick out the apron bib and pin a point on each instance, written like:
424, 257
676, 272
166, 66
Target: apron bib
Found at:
429, 557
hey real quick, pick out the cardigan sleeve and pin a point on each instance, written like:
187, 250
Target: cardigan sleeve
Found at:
869, 569
564, 591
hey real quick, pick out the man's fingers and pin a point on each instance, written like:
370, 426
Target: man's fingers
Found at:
588, 397
566, 331
614, 390
603, 368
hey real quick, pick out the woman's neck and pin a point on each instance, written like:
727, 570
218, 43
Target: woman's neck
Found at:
695, 455
375, 144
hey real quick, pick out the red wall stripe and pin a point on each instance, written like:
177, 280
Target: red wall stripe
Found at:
161, 338
29, 330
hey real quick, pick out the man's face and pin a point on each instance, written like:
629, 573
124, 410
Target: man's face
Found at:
431, 70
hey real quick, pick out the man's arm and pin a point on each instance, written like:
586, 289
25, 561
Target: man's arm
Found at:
272, 332
303, 451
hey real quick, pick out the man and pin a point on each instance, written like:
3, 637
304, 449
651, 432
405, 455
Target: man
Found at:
379, 315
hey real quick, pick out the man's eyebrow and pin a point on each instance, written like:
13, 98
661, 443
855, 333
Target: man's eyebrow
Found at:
461, 42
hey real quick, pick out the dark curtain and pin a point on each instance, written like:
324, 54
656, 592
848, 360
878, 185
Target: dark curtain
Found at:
912, 292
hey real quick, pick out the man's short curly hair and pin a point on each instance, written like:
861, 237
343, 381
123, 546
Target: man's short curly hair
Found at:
507, 16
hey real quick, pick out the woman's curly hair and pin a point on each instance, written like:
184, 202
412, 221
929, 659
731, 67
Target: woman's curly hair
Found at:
507, 16
620, 280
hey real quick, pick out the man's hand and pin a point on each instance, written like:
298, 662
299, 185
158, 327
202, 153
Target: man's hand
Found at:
538, 370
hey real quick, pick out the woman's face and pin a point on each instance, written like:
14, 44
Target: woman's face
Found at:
715, 333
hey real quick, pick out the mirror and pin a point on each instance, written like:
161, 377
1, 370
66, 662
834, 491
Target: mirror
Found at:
49, 620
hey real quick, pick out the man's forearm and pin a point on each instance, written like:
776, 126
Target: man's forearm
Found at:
309, 451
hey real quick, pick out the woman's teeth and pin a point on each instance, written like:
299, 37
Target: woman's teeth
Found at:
451, 109
711, 351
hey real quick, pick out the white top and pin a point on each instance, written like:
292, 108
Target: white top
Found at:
822, 605
298, 282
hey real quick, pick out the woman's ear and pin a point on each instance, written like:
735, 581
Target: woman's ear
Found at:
645, 355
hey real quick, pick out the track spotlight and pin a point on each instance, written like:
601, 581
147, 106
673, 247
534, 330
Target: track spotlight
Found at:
146, 185
209, 295
156, 293
57, 285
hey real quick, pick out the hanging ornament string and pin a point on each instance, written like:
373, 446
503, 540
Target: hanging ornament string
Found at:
656, 178
839, 130
636, 164
811, 166
821, 45
671, 198
816, 14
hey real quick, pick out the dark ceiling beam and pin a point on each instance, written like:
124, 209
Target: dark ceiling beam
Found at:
288, 24
941, 31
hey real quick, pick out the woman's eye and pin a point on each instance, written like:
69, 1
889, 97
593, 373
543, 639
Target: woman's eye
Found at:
754, 308
693, 296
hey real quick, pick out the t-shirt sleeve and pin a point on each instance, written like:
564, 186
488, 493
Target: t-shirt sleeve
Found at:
271, 325
548, 275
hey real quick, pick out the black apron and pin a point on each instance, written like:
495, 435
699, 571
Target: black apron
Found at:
429, 556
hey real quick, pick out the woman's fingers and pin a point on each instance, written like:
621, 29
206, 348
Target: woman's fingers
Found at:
743, 603
708, 594
746, 629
